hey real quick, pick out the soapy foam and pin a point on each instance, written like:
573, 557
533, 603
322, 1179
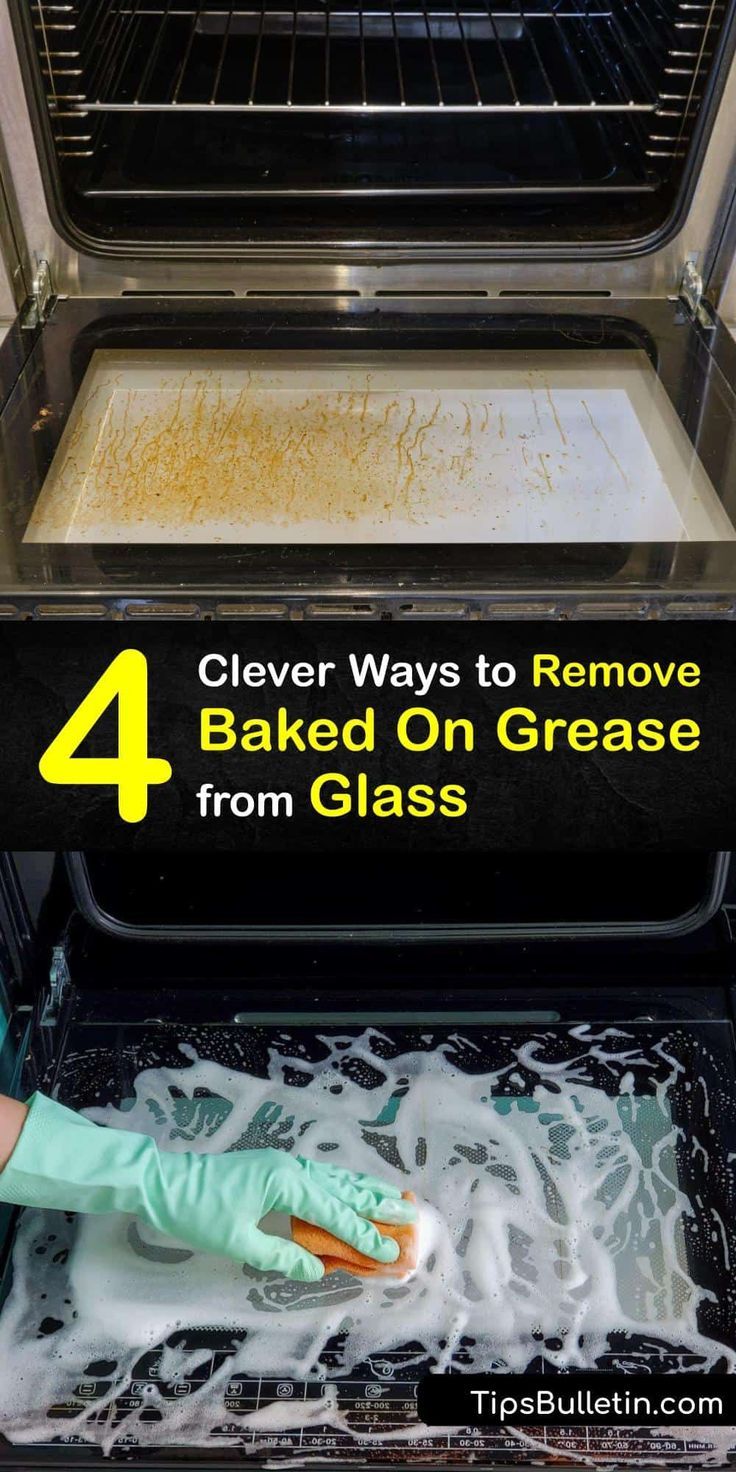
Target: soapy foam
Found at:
550, 1221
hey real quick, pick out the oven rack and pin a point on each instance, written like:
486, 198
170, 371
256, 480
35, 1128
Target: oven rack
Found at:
471, 56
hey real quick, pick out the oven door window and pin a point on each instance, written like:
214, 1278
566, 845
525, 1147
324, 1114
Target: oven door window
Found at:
213, 448
183, 898
576, 1211
147, 449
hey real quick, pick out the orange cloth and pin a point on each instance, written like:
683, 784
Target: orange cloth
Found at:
337, 1255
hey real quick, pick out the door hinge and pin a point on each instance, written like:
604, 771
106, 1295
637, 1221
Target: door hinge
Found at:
40, 304
692, 295
60, 985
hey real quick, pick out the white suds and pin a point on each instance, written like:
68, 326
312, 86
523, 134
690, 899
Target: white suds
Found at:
550, 1222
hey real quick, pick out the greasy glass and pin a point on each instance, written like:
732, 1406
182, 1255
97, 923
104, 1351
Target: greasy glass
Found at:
638, 500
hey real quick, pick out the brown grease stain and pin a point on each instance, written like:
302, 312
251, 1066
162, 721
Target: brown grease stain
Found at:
545, 470
556, 416
606, 445
201, 455
196, 454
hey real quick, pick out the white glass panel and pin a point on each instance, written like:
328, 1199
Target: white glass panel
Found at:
578, 446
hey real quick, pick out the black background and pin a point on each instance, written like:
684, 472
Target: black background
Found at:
561, 800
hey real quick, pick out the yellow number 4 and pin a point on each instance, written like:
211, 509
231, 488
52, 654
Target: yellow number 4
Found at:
132, 771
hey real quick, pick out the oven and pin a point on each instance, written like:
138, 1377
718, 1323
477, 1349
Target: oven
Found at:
372, 309
580, 1075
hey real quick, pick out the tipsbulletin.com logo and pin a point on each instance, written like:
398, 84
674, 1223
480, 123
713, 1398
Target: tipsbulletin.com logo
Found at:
593, 1399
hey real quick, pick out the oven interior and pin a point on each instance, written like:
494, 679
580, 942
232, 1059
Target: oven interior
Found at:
238, 120
505, 1079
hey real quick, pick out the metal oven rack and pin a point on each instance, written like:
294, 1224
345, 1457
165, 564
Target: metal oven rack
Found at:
66, 35
574, 56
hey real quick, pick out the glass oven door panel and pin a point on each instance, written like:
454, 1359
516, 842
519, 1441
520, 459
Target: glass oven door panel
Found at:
149, 447
576, 1211
212, 447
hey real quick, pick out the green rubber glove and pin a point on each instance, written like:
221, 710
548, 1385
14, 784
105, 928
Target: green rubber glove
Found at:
214, 1203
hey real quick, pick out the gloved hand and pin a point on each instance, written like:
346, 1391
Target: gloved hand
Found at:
214, 1203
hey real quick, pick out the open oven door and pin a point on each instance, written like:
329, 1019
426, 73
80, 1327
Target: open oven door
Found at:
467, 403
198, 458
